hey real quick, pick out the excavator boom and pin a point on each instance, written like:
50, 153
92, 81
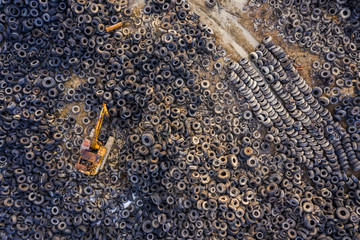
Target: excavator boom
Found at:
95, 144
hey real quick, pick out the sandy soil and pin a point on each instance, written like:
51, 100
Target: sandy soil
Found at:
237, 41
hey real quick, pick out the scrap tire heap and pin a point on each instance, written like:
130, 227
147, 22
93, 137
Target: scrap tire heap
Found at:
206, 148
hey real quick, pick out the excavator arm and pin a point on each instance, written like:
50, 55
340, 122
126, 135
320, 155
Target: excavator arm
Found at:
95, 144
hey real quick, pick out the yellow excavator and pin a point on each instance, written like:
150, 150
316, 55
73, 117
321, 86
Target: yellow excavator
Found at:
93, 154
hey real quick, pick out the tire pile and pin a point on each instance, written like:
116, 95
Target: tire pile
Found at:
209, 149
329, 29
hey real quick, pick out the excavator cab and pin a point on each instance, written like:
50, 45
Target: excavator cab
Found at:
93, 154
